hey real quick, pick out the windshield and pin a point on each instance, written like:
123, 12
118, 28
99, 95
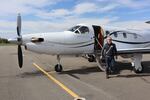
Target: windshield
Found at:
79, 29
74, 28
84, 30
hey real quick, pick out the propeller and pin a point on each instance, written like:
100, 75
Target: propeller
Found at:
20, 56
19, 39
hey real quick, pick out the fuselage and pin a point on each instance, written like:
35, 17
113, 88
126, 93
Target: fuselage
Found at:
130, 39
60, 43
80, 39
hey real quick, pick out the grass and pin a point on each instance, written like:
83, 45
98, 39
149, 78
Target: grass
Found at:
6, 44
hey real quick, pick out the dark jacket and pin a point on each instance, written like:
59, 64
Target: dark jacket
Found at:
109, 50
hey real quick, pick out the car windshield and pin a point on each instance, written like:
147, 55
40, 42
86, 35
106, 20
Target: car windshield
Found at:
73, 28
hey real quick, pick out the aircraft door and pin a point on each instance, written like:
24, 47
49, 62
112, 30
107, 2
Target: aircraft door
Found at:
99, 38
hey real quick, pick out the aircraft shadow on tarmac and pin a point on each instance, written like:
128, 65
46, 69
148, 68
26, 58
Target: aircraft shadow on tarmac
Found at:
127, 66
119, 67
31, 74
94, 69
82, 70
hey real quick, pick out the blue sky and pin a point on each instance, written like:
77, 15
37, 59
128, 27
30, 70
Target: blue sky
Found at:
57, 15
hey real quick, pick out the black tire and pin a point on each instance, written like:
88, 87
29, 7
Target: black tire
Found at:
91, 58
58, 68
138, 71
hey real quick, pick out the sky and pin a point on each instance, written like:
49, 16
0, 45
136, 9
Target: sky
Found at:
59, 15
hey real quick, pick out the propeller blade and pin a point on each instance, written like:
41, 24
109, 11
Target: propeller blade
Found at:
20, 56
19, 39
19, 25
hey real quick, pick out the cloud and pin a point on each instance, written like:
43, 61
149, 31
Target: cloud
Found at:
10, 7
77, 10
138, 25
56, 13
88, 7
85, 8
108, 7
134, 3
137, 4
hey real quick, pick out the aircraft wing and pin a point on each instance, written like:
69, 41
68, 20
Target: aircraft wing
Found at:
134, 50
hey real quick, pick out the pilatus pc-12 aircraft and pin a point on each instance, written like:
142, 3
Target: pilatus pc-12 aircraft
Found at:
85, 39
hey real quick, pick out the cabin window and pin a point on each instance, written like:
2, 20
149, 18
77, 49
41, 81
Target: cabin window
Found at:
135, 35
124, 35
84, 30
115, 34
107, 33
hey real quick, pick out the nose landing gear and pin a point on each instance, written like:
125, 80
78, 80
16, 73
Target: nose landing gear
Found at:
58, 67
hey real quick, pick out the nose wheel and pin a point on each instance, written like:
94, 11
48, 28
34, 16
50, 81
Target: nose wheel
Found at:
58, 67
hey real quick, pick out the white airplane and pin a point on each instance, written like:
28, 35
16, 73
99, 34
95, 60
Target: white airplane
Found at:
85, 39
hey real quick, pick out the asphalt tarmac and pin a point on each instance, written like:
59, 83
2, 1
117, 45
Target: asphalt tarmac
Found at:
80, 78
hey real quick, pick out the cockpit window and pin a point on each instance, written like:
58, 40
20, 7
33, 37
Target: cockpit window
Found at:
79, 29
84, 30
74, 28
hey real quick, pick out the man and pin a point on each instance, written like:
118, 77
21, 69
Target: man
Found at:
108, 52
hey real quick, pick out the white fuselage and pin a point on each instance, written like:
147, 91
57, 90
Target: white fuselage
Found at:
60, 43
72, 42
131, 40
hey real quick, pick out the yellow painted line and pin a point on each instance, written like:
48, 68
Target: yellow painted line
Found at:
57, 82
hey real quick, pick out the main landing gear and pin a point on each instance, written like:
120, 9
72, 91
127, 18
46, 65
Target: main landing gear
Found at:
136, 63
58, 67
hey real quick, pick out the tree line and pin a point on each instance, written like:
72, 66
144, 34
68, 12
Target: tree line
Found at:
2, 40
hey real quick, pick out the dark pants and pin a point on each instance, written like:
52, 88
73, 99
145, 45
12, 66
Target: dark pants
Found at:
110, 62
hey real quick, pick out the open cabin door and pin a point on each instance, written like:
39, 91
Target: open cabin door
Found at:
99, 38
99, 42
